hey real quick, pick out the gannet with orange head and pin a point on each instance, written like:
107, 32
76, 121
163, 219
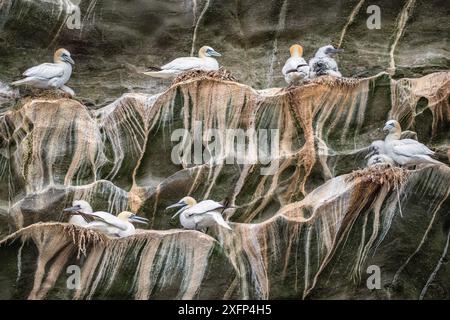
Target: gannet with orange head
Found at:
199, 216
204, 61
50, 75
296, 70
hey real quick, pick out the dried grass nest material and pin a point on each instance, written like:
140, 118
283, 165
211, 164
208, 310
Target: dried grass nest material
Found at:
336, 82
394, 176
221, 74
34, 93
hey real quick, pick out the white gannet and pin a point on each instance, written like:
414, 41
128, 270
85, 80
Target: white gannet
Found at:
50, 75
406, 152
323, 63
205, 62
79, 206
199, 216
296, 70
120, 226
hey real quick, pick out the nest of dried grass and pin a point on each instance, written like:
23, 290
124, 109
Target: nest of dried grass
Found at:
221, 74
43, 93
82, 237
393, 176
336, 82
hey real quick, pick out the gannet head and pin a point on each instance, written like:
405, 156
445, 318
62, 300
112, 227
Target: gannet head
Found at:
392, 126
131, 217
79, 206
184, 203
62, 55
327, 51
206, 51
296, 50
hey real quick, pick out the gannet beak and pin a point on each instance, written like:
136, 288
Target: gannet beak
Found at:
72, 209
176, 205
334, 51
177, 213
214, 54
138, 219
386, 129
69, 60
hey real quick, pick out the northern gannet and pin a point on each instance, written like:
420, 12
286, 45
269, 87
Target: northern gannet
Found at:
50, 75
406, 152
199, 216
205, 62
295, 70
79, 206
323, 63
120, 226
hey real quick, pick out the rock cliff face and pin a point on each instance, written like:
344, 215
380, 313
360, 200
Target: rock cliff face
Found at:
311, 229
116, 39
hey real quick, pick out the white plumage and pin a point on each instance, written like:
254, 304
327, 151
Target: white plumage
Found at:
406, 152
296, 70
105, 222
323, 63
199, 216
205, 62
50, 75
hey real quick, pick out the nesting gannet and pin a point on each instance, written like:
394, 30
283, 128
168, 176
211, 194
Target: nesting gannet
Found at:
199, 216
296, 70
205, 62
323, 63
406, 152
79, 206
120, 226
50, 75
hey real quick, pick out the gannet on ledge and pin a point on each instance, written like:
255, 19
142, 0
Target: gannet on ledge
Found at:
50, 75
323, 63
120, 226
406, 152
199, 216
295, 70
204, 62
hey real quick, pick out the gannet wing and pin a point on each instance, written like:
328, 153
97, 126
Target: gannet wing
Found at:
109, 219
219, 220
45, 71
292, 65
186, 63
410, 148
203, 207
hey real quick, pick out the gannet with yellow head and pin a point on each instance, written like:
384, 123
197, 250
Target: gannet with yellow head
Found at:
204, 61
199, 216
406, 152
120, 226
296, 70
50, 75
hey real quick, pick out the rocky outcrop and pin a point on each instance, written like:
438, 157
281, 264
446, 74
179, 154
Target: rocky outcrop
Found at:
310, 229
115, 39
